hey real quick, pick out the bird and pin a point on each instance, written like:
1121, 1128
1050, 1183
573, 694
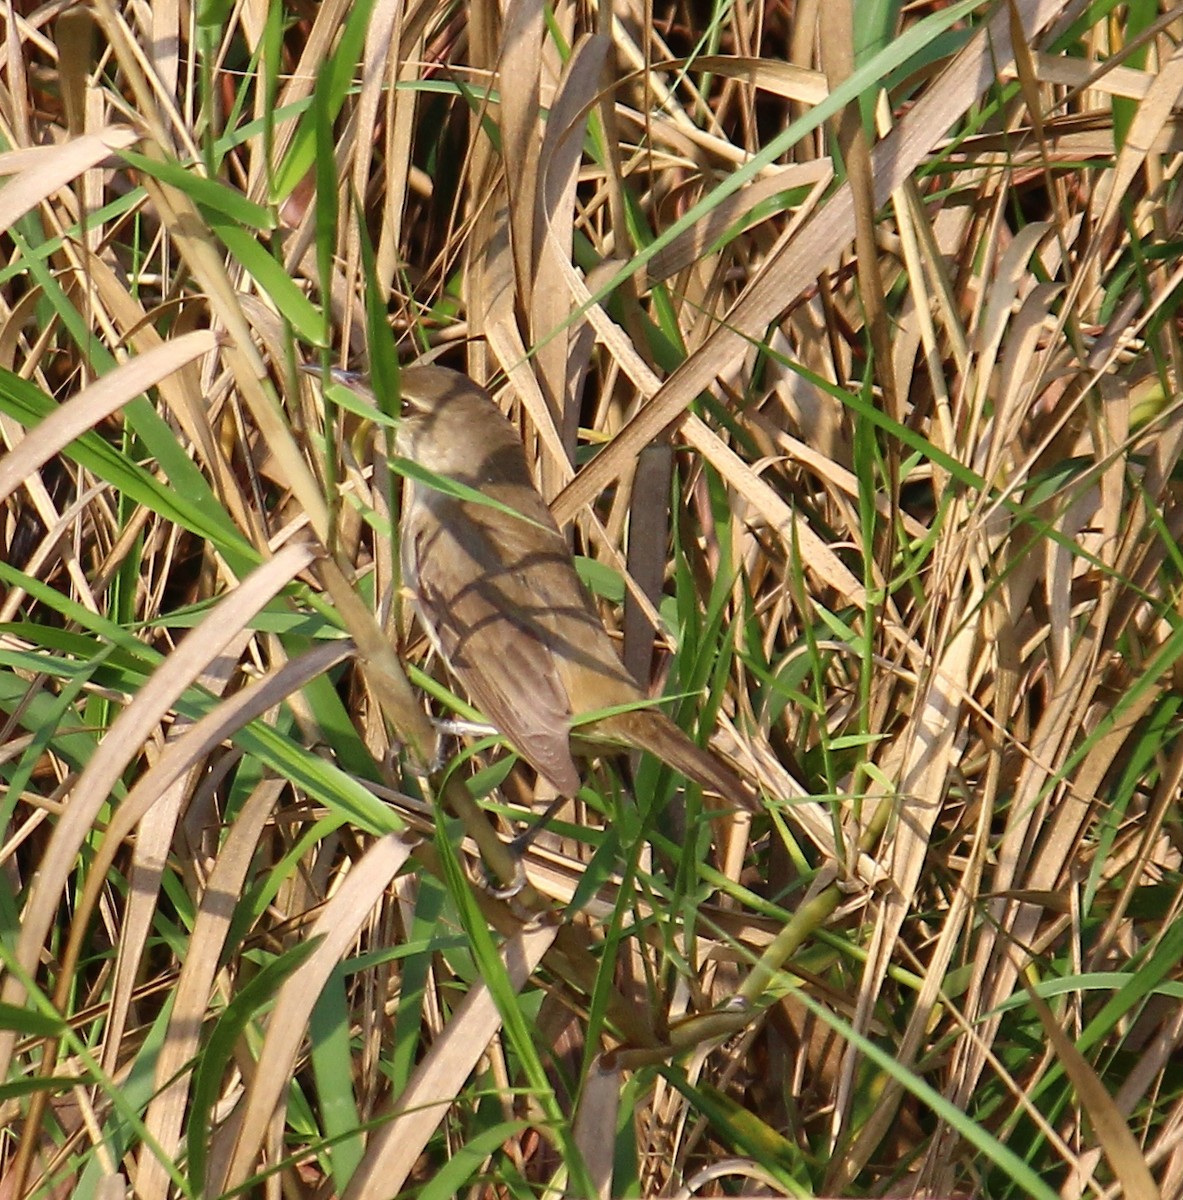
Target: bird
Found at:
495, 587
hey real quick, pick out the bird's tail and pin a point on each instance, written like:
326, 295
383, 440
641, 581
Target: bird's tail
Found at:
652, 731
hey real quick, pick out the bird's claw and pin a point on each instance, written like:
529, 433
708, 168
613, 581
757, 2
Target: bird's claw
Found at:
504, 891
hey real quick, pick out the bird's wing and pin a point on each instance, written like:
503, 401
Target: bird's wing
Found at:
483, 615
585, 658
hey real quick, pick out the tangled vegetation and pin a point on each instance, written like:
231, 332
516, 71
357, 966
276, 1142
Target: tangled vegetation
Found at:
844, 339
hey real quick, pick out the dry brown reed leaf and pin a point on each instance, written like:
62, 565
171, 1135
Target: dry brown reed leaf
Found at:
383, 673
1154, 112
595, 1124
400, 120
1031, 848
893, 160
925, 251
836, 38
930, 753
156, 105
764, 502
132, 730
688, 247
1116, 1141
393, 1149
194, 242
729, 465
553, 232
784, 79
153, 804
194, 987
509, 346
57, 527
181, 391
97, 402
332, 933
1105, 77
155, 835
382, 53
299, 84
521, 104
42, 171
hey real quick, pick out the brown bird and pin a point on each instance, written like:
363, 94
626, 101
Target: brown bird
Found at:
496, 589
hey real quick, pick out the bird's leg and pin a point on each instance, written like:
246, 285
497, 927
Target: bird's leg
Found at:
518, 847
520, 844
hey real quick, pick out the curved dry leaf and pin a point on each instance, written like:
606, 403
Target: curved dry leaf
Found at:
152, 801
1007, 282
554, 225
400, 117
122, 742
520, 72
595, 1124
1018, 378
381, 57
930, 759
166, 1111
1149, 121
996, 964
639, 58
339, 923
181, 391
44, 171
814, 552
97, 402
834, 474
329, 18
795, 263
192, 238
690, 245
733, 469
154, 838
394, 1147
1107, 77
918, 326
505, 338
154, 102
785, 79
1126, 1158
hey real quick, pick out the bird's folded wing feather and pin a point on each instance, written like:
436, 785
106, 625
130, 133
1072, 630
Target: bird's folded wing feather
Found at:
485, 618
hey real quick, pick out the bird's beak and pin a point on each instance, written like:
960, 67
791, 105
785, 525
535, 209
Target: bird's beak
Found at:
336, 374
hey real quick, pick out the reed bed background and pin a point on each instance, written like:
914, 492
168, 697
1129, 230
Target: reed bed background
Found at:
845, 336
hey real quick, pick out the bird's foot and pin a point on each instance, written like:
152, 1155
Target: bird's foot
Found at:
517, 847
